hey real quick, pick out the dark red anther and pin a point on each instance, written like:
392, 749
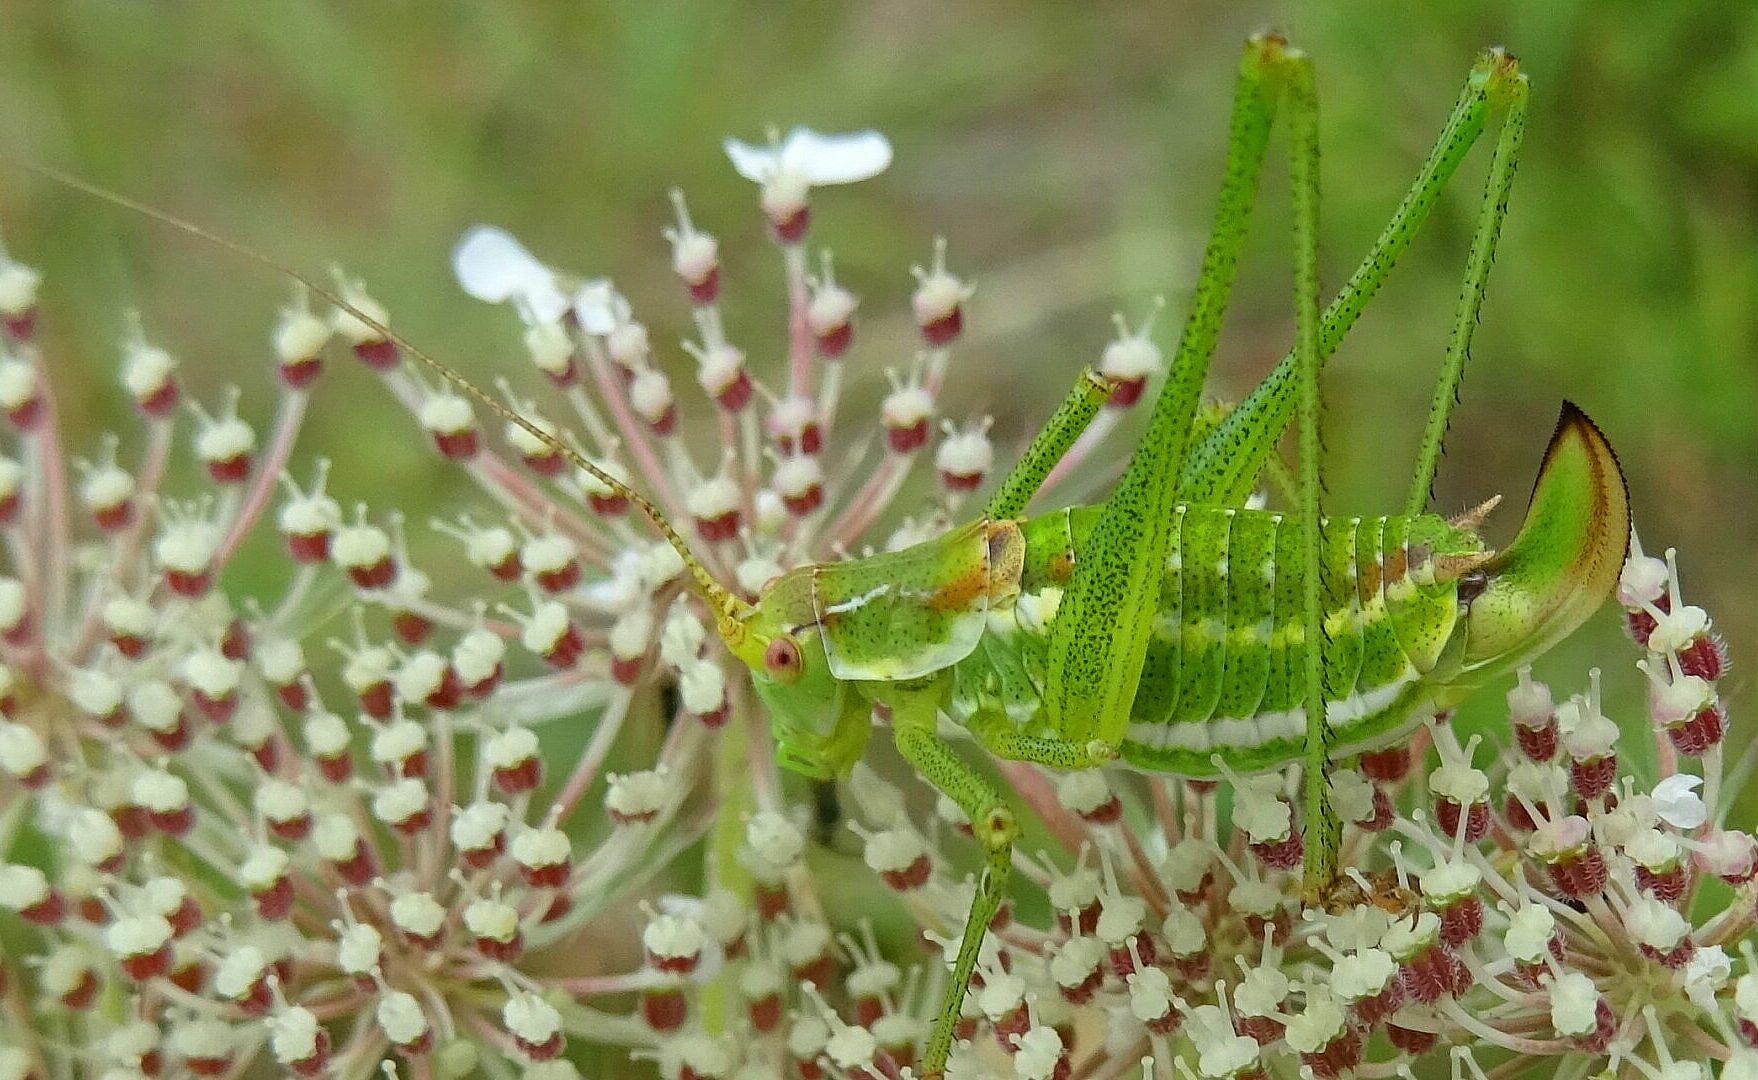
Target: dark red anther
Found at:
1386, 766
1667, 886
835, 342
545, 462
1461, 920
664, 1008
480, 858
911, 877
1593, 777
275, 902
905, 438
1262, 1030
188, 585
1284, 854
1126, 392
608, 505
1537, 743
521, 778
360, 867
1605, 1025
230, 470
806, 502
176, 822
457, 445
943, 330
190, 978
1337, 1057
765, 1013
736, 394
299, 374
706, 290
48, 911
336, 767
504, 951
1579, 875
1699, 734
1411, 1041
509, 568
1705, 658
308, 548
376, 575
26, 416
667, 422
1123, 961
111, 518
792, 228
379, 355
561, 578
1448, 814
772, 901
718, 528
1428, 976
1371, 1011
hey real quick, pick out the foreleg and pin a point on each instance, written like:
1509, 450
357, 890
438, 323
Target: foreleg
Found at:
913, 717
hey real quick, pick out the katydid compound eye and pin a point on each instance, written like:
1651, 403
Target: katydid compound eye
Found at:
782, 659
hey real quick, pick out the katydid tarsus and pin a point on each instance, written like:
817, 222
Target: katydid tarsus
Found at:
1172, 628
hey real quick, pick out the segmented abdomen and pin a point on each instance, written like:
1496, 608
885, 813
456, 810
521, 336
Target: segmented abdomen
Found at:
1224, 673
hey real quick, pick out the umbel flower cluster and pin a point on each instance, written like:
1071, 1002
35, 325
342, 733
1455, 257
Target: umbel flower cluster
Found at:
330, 831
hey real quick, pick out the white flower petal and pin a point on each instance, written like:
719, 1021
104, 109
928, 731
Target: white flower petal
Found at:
1677, 803
755, 163
599, 307
491, 265
835, 159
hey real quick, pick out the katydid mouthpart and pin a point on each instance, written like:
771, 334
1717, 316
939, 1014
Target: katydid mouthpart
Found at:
1173, 627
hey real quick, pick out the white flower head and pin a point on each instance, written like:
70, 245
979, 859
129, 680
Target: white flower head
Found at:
808, 158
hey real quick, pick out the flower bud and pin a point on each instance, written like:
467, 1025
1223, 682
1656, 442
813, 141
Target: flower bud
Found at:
544, 857
939, 300
107, 492
513, 760
695, 255
224, 444
298, 1041
404, 805
299, 338
830, 314
720, 371
793, 424
637, 798
21, 398
448, 418
539, 455
185, 551
553, 562
149, 374
650, 394
265, 876
965, 456
308, 521
479, 833
535, 1026
369, 343
494, 926
364, 551
18, 297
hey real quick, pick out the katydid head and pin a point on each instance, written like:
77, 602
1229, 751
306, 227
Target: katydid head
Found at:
820, 724
1563, 563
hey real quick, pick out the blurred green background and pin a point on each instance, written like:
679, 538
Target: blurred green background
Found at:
1069, 150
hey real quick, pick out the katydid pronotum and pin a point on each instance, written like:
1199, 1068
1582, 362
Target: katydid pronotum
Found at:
1174, 628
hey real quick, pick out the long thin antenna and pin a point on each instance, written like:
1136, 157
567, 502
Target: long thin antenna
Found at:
729, 608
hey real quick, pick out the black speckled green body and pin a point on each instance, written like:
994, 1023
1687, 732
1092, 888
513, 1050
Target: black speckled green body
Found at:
1222, 676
